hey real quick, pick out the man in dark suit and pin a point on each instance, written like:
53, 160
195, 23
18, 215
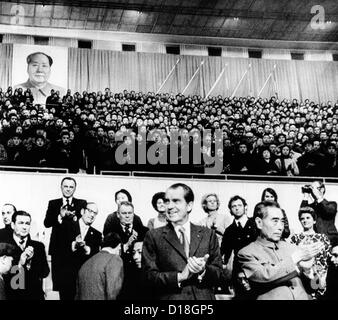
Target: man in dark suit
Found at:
130, 230
60, 213
30, 261
325, 210
181, 261
112, 219
82, 241
101, 276
7, 211
239, 234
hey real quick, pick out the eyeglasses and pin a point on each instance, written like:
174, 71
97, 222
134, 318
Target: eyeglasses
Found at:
91, 211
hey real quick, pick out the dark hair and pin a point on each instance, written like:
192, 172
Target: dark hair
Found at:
68, 178
10, 204
260, 208
7, 249
130, 199
188, 193
20, 213
157, 196
271, 191
308, 210
30, 57
235, 198
286, 231
111, 239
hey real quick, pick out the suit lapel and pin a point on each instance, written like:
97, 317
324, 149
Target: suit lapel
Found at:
89, 234
170, 236
195, 238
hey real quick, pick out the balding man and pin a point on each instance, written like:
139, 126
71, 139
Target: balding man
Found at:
7, 211
39, 69
82, 241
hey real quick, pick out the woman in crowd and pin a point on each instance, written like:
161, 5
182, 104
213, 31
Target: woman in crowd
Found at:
265, 163
214, 220
270, 194
286, 165
319, 268
159, 205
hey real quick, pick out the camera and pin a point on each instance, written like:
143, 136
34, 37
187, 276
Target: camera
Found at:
307, 189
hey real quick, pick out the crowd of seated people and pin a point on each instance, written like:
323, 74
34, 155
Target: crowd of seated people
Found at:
83, 131
233, 253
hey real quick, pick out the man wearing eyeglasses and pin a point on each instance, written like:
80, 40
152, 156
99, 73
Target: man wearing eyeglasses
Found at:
325, 210
82, 241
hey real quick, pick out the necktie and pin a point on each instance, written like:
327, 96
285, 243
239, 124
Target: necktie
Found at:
184, 241
239, 226
21, 242
67, 203
127, 230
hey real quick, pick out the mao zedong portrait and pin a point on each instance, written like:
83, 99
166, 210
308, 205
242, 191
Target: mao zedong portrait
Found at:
39, 69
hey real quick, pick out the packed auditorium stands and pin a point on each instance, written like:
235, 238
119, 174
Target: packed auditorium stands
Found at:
83, 131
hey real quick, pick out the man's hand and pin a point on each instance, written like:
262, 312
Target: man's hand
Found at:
26, 255
316, 194
307, 264
79, 243
184, 275
64, 212
197, 265
307, 252
130, 241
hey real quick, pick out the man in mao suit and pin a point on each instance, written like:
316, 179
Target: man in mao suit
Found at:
275, 269
101, 276
30, 260
60, 213
181, 263
82, 241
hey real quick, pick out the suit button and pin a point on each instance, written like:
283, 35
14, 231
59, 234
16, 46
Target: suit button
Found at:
292, 288
248, 236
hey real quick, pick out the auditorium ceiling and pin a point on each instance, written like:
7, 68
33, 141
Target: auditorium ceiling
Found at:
247, 19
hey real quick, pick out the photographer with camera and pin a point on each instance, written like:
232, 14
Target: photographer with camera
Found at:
325, 211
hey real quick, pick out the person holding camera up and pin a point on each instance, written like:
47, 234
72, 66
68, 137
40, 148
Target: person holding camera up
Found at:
325, 210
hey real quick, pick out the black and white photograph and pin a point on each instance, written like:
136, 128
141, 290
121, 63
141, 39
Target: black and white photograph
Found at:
182, 150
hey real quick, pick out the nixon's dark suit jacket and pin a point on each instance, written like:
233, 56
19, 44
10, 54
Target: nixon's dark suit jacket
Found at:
33, 276
57, 248
163, 257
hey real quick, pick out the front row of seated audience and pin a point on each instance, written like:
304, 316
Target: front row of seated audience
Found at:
256, 257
